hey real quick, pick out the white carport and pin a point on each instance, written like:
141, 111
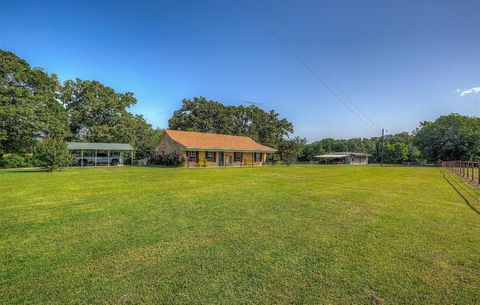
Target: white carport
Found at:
90, 151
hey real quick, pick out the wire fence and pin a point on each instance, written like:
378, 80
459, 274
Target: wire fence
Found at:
468, 170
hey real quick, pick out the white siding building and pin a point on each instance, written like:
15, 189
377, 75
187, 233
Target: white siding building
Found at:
343, 158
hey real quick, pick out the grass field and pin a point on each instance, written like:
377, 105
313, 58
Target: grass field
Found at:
300, 235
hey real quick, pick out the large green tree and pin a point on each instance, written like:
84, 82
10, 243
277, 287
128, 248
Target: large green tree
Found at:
29, 105
200, 114
290, 149
97, 113
94, 109
35, 105
450, 137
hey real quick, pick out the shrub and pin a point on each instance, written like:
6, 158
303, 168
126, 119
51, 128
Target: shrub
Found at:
203, 163
172, 159
248, 163
52, 154
12, 160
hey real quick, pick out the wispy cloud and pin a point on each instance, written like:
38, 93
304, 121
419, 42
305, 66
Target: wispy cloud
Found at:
464, 92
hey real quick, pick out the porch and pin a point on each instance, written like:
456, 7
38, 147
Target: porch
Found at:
211, 158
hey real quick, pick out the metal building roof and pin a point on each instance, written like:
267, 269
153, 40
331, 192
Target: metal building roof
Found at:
98, 146
330, 156
342, 155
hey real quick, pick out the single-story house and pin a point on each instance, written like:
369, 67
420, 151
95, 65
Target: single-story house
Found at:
217, 149
344, 158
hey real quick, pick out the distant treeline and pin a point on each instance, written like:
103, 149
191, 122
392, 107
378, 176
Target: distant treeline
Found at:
450, 137
398, 148
35, 105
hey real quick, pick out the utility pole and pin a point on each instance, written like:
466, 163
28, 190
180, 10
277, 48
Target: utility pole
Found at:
383, 143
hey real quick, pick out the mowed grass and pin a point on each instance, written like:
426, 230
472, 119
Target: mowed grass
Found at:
299, 235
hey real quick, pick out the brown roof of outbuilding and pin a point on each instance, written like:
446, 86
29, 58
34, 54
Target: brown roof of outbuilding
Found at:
212, 141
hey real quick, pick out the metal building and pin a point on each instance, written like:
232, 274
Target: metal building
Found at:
343, 158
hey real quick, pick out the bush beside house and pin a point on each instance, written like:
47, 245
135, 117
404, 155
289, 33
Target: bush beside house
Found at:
172, 159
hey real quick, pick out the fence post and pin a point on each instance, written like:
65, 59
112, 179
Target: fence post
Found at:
478, 163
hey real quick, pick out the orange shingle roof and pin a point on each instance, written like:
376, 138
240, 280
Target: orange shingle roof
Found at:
201, 140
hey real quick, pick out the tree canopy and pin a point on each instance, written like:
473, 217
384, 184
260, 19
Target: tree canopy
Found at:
36, 105
450, 137
97, 113
290, 149
29, 105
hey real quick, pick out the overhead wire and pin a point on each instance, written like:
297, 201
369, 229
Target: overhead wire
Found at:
317, 64
346, 101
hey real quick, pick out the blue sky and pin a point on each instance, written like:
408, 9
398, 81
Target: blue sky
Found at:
400, 62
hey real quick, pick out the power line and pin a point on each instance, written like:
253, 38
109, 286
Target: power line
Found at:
320, 67
351, 106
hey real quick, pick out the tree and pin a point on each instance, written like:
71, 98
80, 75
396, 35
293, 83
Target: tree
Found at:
35, 105
450, 137
395, 152
290, 149
29, 106
98, 113
200, 114
135, 130
52, 154
94, 109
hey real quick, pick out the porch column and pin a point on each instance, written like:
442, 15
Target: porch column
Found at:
81, 158
95, 157
108, 157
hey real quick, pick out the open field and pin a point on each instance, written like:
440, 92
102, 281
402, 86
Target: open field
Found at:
300, 235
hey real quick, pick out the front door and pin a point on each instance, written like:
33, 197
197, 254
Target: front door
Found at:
222, 159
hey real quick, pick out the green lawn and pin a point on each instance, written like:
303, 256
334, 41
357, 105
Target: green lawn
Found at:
300, 235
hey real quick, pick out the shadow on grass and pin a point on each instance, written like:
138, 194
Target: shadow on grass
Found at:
22, 170
470, 196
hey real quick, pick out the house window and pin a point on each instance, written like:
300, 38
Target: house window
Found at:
210, 156
192, 156
237, 156
258, 157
